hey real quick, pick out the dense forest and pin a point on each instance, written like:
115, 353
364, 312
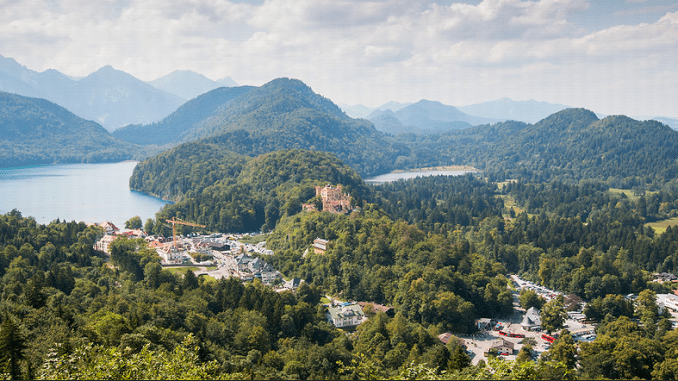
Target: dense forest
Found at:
570, 145
439, 264
35, 131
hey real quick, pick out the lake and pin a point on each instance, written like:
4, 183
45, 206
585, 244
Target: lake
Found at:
80, 192
393, 176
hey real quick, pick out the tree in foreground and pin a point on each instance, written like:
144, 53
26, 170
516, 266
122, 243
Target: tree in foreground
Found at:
12, 346
553, 315
100, 363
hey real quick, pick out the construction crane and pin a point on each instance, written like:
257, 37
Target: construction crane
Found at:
174, 221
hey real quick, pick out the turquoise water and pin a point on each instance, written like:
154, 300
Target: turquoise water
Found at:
75, 192
393, 176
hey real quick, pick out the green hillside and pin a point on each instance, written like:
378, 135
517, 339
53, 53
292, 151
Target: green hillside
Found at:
241, 194
569, 145
36, 131
282, 114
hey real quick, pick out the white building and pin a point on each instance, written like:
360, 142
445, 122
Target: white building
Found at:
104, 243
669, 301
346, 316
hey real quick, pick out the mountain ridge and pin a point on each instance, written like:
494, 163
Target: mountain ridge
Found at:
37, 131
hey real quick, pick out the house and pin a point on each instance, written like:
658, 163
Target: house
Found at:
346, 315
109, 227
268, 274
293, 283
669, 301
503, 346
664, 277
484, 324
104, 243
447, 336
531, 320
243, 261
320, 245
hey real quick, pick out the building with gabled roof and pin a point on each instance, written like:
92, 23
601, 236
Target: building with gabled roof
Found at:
104, 244
531, 320
346, 316
109, 227
320, 245
503, 346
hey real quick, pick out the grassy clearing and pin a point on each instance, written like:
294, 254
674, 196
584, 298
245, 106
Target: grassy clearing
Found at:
660, 226
182, 270
254, 239
324, 300
502, 184
509, 203
629, 193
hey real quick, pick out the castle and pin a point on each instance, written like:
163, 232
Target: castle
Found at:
334, 200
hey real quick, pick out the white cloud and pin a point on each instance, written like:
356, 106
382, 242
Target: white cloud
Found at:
358, 51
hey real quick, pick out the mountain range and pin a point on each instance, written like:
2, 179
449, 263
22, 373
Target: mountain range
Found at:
503, 109
286, 114
110, 97
424, 117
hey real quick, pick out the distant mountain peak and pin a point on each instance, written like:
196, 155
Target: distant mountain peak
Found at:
428, 102
104, 69
187, 84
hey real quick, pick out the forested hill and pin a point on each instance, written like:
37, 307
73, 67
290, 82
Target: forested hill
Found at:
36, 131
285, 113
230, 192
184, 120
569, 145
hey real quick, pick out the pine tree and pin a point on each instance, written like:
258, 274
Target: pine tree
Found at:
12, 345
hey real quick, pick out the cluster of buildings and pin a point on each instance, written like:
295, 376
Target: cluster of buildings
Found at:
111, 233
257, 268
664, 277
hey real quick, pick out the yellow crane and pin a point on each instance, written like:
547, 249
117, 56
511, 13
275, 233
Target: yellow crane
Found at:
174, 221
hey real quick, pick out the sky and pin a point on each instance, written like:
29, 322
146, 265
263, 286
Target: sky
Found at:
612, 57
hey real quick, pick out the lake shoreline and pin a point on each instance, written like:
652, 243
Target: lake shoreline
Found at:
407, 175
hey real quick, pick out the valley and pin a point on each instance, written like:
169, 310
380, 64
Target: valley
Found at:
573, 203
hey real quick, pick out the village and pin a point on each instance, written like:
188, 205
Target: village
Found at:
224, 255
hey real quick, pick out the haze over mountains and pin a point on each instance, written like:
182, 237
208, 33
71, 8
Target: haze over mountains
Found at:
493, 111
110, 97
115, 99
424, 117
188, 84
